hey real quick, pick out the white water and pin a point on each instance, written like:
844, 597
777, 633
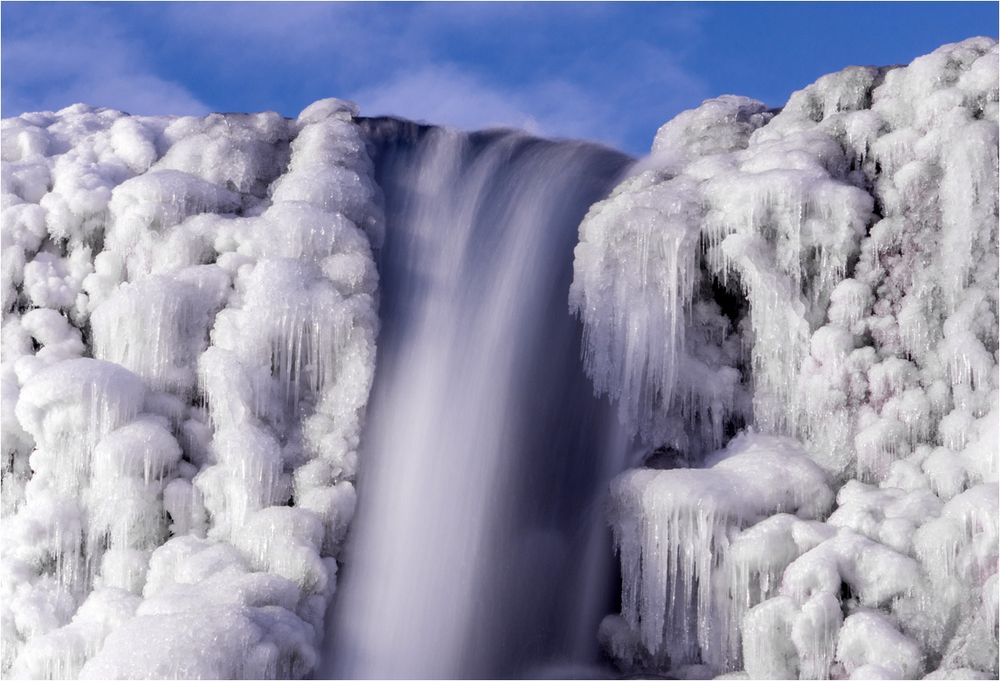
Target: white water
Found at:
478, 534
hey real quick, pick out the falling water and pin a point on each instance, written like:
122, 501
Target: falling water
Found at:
485, 455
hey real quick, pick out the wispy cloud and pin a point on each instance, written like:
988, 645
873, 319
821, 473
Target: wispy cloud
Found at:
559, 70
445, 94
57, 59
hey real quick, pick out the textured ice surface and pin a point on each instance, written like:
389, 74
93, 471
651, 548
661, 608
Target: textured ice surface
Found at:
674, 529
847, 250
188, 345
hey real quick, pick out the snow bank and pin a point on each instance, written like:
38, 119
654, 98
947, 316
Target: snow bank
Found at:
847, 249
188, 345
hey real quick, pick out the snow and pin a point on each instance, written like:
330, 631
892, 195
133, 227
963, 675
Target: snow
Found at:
854, 234
188, 344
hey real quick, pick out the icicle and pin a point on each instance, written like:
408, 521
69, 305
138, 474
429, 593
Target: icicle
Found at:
634, 327
682, 569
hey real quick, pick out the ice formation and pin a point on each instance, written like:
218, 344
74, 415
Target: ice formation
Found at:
828, 274
801, 304
189, 321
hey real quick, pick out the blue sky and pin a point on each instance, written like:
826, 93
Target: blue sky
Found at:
610, 72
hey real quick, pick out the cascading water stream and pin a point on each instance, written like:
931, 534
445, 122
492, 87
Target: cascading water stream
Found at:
485, 454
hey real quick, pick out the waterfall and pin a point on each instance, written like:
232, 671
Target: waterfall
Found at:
479, 548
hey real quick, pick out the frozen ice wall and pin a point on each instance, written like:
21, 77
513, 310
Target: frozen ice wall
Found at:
189, 323
826, 275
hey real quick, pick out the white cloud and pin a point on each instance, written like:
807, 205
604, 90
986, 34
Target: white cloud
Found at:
469, 66
447, 95
655, 90
400, 59
443, 95
78, 57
